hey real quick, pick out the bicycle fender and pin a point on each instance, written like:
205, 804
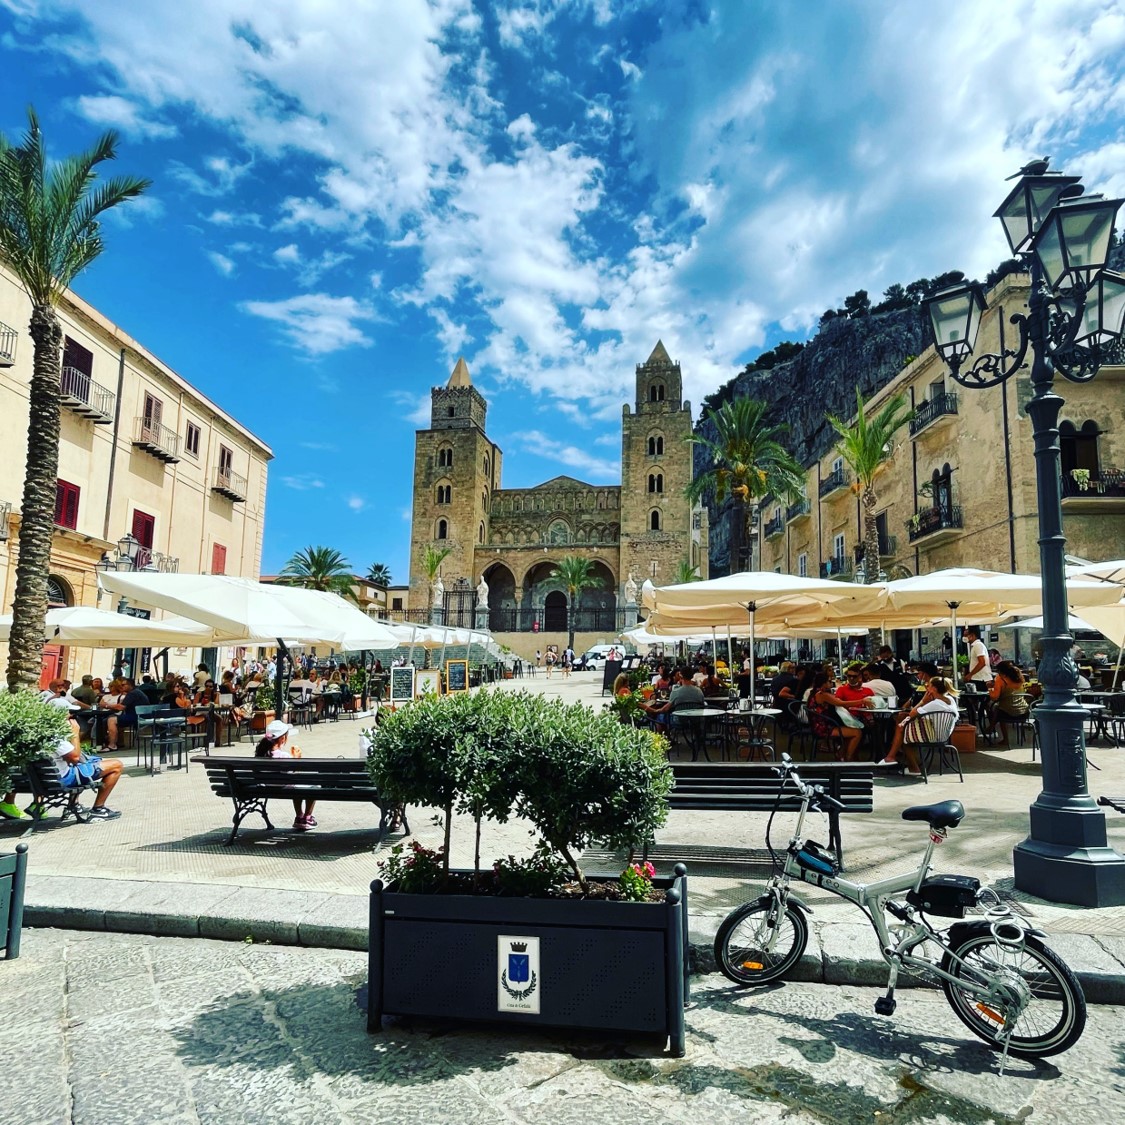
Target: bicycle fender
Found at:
796, 900
962, 931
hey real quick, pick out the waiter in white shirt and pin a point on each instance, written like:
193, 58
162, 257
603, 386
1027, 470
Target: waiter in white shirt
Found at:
980, 670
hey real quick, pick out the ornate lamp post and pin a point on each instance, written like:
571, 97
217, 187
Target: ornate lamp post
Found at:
125, 558
1075, 306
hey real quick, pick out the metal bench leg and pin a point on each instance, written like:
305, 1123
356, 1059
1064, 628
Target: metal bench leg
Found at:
242, 809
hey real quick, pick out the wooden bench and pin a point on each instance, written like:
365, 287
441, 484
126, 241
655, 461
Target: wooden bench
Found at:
41, 778
251, 782
753, 787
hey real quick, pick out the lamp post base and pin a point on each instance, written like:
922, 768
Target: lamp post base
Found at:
1084, 876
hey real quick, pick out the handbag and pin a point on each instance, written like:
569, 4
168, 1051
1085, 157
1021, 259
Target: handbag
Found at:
85, 771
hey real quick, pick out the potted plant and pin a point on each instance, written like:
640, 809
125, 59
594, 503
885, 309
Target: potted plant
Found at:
1081, 478
264, 712
538, 941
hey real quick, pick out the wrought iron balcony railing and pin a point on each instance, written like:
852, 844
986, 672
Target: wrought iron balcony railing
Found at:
230, 484
940, 406
1094, 485
837, 479
888, 548
929, 520
795, 511
78, 392
774, 526
156, 439
8, 337
836, 568
154, 560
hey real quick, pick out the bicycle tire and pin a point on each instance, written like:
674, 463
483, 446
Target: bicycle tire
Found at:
1053, 986
739, 942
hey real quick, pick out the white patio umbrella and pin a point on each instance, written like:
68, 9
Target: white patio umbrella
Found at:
981, 595
102, 628
1112, 571
1074, 624
240, 610
760, 594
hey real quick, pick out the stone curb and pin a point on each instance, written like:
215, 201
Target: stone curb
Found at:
336, 921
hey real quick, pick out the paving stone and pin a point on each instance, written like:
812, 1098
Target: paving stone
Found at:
261, 914
1099, 971
339, 922
170, 909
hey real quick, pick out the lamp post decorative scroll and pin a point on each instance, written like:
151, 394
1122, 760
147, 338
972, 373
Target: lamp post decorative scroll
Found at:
1073, 324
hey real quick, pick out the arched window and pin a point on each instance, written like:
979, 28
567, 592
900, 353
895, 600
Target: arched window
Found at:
445, 493
654, 520
656, 392
656, 483
442, 529
445, 457
486, 464
58, 592
480, 533
450, 411
558, 533
1078, 446
656, 446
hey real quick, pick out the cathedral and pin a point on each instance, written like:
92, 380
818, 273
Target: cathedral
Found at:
505, 542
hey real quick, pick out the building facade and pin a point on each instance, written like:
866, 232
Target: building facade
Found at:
141, 452
513, 538
959, 488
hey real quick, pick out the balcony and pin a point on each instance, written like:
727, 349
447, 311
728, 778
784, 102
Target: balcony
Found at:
8, 337
934, 410
156, 439
836, 568
155, 561
79, 393
888, 548
798, 511
837, 479
935, 525
775, 526
1098, 491
231, 485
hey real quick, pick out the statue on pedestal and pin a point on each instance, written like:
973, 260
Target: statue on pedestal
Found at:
482, 594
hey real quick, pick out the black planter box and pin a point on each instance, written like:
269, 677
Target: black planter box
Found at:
13, 876
614, 966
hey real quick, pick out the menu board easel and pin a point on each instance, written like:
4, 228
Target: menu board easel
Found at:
402, 684
456, 675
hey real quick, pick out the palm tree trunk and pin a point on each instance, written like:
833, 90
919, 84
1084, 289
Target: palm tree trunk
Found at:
738, 553
570, 620
871, 559
37, 510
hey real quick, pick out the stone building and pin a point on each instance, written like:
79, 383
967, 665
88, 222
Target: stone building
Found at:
141, 452
512, 538
959, 488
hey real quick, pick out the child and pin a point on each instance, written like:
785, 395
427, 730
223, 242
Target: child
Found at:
276, 744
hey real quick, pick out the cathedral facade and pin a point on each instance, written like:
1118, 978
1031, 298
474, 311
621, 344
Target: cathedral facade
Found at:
512, 538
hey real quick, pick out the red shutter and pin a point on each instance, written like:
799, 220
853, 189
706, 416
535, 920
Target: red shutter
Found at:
218, 559
144, 527
66, 504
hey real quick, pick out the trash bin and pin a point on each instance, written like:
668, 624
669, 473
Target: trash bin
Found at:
13, 877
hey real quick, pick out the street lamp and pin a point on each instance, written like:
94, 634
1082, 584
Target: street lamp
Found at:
129, 555
1075, 306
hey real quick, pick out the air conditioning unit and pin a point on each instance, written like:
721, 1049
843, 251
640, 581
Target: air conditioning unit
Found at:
5, 512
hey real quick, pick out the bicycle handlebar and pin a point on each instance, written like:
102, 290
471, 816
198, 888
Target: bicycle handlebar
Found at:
788, 771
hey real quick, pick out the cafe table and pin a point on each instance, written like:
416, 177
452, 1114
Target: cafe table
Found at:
754, 721
696, 720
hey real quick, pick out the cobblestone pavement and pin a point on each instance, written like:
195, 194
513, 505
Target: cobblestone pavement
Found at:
107, 1028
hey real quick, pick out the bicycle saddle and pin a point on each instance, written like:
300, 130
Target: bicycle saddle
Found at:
945, 814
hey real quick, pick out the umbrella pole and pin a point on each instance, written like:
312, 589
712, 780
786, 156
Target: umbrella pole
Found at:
279, 678
840, 651
1117, 670
730, 655
441, 663
953, 615
751, 608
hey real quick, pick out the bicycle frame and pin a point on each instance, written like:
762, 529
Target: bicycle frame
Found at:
899, 940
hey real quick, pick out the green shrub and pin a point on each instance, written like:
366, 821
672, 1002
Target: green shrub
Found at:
29, 729
577, 776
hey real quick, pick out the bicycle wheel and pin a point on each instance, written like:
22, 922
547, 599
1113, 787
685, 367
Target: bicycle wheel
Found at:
1056, 1015
758, 943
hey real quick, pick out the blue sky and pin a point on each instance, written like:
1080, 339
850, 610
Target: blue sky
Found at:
351, 193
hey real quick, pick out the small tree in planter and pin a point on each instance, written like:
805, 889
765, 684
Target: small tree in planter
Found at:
29, 729
579, 778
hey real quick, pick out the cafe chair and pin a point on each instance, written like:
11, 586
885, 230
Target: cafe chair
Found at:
300, 707
937, 733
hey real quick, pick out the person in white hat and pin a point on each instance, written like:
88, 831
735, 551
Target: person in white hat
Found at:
275, 744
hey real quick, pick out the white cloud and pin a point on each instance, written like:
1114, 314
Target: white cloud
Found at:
302, 483
222, 218
416, 407
356, 503
548, 448
288, 255
221, 262
321, 446
116, 112
220, 175
316, 323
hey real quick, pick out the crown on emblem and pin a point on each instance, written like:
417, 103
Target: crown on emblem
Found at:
519, 946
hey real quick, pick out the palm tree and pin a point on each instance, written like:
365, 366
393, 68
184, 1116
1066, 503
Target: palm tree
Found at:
49, 233
685, 572
576, 574
319, 568
432, 558
866, 445
748, 461
379, 574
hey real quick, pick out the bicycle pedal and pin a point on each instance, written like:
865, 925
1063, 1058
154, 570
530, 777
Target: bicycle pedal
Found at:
885, 1006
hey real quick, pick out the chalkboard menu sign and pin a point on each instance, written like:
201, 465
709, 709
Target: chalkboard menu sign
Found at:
610, 673
456, 675
402, 684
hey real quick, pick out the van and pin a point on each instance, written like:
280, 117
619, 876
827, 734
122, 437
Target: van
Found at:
593, 659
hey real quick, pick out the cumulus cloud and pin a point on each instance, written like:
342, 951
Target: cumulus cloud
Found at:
302, 483
116, 112
356, 503
541, 445
221, 262
316, 323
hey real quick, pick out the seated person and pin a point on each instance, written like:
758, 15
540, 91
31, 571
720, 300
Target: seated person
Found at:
710, 684
106, 770
853, 691
881, 687
939, 696
621, 685
85, 692
661, 681
783, 690
824, 718
130, 701
153, 690
208, 697
684, 695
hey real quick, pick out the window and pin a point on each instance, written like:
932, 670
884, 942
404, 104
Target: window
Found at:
445, 458
941, 491
1078, 446
396, 603
450, 411
838, 548
191, 440
655, 446
838, 465
143, 531
656, 482
218, 558
442, 529
656, 392
77, 358
480, 534
66, 504
486, 464
654, 520
803, 565
444, 493
154, 412
226, 462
